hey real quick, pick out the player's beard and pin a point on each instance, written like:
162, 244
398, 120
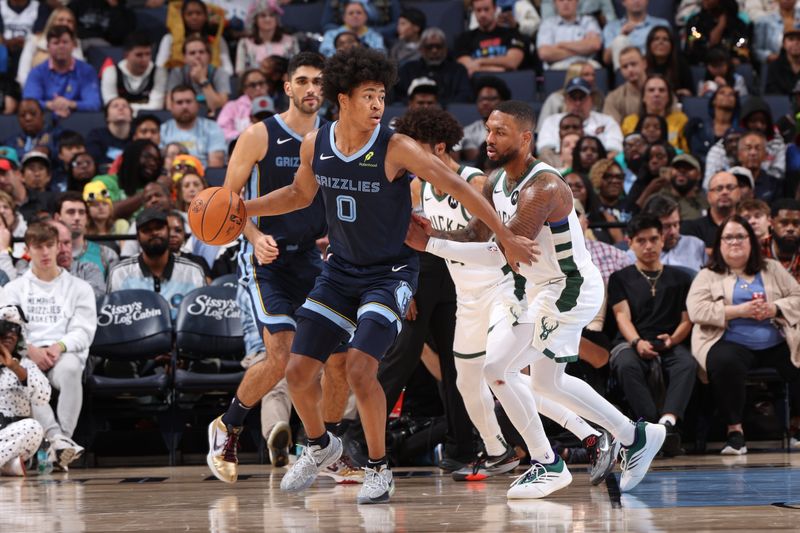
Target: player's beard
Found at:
504, 159
305, 108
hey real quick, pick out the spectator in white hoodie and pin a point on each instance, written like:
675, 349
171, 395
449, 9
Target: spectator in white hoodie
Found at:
62, 320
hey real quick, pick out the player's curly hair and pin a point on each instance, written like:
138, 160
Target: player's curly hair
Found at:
431, 126
348, 69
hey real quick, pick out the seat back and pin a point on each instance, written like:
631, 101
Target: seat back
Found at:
521, 83
132, 324
209, 324
302, 17
554, 81
228, 280
447, 15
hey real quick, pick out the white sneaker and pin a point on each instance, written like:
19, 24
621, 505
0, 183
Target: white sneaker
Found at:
637, 457
313, 459
540, 480
223, 442
278, 444
66, 450
378, 485
15, 467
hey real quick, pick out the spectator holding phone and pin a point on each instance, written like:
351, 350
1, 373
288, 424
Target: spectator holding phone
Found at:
648, 300
745, 310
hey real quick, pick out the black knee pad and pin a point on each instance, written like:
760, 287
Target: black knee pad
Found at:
316, 338
374, 336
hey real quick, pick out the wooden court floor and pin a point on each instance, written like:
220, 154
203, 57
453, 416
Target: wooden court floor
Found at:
707, 493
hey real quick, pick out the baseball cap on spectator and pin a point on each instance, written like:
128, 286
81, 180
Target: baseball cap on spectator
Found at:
415, 17
578, 84
185, 160
9, 154
262, 107
794, 31
685, 159
742, 174
34, 155
422, 85
150, 215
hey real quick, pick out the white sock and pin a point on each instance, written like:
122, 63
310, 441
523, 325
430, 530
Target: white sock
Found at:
479, 403
575, 394
565, 418
667, 418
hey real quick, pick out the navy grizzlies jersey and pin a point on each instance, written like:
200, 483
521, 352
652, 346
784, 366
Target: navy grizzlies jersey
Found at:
367, 214
299, 229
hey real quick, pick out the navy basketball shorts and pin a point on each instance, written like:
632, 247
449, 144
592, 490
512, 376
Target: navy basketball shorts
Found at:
278, 289
363, 306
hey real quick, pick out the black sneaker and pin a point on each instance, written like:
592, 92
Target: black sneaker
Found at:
735, 444
487, 466
602, 453
672, 442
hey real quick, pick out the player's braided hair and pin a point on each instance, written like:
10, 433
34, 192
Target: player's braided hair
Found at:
431, 126
348, 69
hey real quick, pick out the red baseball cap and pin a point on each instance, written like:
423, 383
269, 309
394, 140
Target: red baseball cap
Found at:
5, 165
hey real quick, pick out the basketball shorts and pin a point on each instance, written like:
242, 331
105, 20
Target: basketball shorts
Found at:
473, 316
365, 304
559, 311
278, 289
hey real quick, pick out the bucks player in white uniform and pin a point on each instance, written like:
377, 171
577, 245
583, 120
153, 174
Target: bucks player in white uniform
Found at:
479, 289
564, 291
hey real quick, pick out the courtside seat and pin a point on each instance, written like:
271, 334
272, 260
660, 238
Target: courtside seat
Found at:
228, 280
132, 326
209, 327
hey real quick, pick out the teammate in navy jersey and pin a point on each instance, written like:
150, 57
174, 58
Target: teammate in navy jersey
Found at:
278, 263
360, 168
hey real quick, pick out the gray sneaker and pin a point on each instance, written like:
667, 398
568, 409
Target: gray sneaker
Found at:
313, 459
378, 485
603, 451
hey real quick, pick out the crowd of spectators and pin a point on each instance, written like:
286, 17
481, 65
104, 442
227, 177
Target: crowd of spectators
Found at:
681, 127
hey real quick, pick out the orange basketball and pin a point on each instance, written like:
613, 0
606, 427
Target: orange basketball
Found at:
217, 216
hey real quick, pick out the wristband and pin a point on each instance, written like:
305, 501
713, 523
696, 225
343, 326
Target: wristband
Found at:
63, 346
635, 343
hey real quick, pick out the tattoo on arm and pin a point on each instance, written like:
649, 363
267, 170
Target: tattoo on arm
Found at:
538, 200
476, 230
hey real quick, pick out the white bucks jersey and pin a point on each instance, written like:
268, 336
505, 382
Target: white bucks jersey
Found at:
447, 214
563, 249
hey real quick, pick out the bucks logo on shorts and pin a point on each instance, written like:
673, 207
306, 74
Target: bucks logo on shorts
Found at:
549, 325
403, 294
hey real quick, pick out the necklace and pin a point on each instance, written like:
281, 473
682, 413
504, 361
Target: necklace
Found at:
651, 281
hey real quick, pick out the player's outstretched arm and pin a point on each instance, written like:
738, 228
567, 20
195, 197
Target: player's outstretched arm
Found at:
407, 154
486, 254
297, 195
545, 198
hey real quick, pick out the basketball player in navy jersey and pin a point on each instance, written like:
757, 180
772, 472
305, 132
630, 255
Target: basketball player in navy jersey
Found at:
278, 262
360, 167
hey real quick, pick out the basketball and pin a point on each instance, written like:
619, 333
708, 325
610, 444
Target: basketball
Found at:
217, 216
